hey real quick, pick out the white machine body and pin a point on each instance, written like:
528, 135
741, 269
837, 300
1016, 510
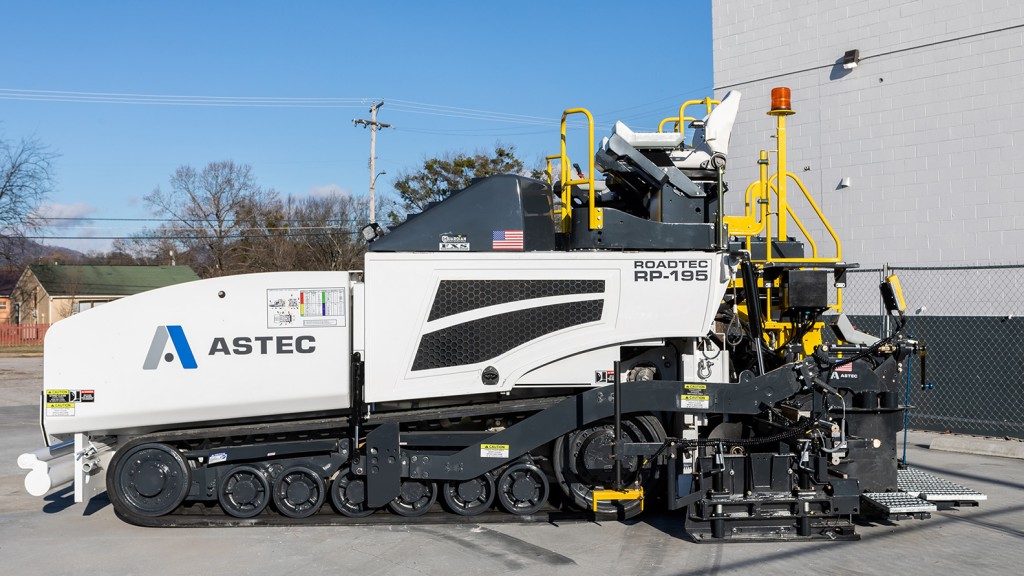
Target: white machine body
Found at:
435, 323
270, 346
214, 350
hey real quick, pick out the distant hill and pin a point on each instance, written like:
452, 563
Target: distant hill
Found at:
22, 251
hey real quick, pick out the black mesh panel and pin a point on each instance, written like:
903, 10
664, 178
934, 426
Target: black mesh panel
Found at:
479, 340
457, 296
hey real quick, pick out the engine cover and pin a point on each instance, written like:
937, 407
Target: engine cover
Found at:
223, 349
449, 324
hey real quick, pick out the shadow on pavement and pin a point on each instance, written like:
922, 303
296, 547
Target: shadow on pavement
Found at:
65, 498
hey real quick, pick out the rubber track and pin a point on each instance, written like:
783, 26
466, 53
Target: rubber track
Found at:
188, 517
203, 515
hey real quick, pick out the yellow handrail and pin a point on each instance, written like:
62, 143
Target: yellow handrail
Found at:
682, 117
800, 225
747, 225
596, 214
548, 171
755, 218
821, 217
707, 102
661, 126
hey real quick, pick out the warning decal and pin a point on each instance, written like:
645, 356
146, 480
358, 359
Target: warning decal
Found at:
63, 402
695, 401
494, 450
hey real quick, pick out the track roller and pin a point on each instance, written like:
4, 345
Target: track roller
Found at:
244, 492
348, 494
299, 492
522, 488
469, 497
415, 498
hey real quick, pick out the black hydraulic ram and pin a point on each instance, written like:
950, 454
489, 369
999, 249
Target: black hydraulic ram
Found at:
753, 306
617, 391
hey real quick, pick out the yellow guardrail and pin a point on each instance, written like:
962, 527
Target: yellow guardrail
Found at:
675, 119
548, 170
681, 119
821, 217
759, 195
596, 214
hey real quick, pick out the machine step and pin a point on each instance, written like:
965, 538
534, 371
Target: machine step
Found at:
898, 503
921, 493
934, 489
626, 494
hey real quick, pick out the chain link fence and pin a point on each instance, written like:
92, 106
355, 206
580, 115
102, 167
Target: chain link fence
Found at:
970, 319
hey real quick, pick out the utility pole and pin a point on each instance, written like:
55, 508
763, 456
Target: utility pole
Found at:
373, 125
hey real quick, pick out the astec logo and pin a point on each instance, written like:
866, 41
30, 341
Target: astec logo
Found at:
159, 345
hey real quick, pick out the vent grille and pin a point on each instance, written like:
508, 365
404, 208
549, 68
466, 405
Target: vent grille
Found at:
457, 296
486, 338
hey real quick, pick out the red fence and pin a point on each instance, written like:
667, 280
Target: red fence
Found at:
22, 335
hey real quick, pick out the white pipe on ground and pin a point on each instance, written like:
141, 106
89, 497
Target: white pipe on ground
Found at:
48, 467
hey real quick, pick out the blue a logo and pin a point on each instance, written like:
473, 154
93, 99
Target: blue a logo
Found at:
159, 345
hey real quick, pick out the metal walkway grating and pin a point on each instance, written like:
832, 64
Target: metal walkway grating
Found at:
898, 503
934, 489
921, 493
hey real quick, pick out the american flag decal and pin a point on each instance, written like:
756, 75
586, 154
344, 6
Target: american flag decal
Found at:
507, 240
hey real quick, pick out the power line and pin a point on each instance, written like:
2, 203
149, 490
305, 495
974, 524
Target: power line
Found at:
486, 113
170, 96
476, 132
196, 220
407, 106
195, 237
170, 99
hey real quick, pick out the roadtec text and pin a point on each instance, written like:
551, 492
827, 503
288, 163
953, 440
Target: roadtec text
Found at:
671, 270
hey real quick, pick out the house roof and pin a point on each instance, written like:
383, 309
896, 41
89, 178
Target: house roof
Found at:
63, 280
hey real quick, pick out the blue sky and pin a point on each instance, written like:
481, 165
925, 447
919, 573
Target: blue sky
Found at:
103, 84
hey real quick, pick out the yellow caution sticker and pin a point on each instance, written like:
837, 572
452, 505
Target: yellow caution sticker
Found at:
58, 396
695, 401
60, 408
695, 386
494, 450
62, 402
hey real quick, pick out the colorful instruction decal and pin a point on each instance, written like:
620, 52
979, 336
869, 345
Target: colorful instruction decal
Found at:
306, 307
63, 402
494, 450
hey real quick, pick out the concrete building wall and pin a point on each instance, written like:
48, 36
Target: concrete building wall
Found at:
925, 127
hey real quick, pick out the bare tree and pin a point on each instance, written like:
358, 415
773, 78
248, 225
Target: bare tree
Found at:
268, 243
147, 248
26, 177
210, 210
330, 238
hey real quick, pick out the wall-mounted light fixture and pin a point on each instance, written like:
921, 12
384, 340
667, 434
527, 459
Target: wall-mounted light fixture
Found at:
850, 59
845, 182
